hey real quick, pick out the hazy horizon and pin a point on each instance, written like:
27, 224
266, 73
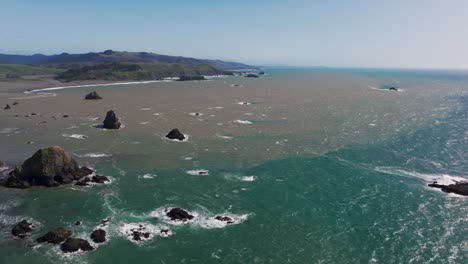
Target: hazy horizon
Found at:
362, 34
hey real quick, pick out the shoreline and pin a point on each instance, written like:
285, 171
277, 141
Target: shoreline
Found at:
43, 85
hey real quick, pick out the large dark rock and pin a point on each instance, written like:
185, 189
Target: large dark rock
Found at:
192, 78
460, 188
56, 236
177, 214
75, 244
111, 121
21, 229
93, 96
98, 236
7, 107
47, 167
175, 134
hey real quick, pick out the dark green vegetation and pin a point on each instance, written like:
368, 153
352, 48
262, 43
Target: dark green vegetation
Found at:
119, 71
18, 70
112, 66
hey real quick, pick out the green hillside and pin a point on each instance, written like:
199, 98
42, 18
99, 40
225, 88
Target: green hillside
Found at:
121, 71
22, 70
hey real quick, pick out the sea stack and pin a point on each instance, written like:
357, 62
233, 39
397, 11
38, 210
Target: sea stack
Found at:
93, 96
175, 134
111, 121
47, 167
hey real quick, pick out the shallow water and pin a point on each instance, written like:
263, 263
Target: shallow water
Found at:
326, 170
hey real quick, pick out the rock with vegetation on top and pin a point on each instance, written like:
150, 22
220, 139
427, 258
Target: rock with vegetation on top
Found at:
98, 236
177, 214
21, 229
175, 134
56, 236
93, 96
75, 244
111, 121
47, 167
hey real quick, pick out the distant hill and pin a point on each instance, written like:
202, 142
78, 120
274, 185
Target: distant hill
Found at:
120, 71
69, 61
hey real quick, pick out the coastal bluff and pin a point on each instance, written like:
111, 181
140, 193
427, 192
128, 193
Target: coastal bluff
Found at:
48, 167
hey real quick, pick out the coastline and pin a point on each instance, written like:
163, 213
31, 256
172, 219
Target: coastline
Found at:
41, 85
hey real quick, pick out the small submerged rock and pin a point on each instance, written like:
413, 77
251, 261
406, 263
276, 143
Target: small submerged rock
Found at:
111, 121
98, 236
460, 188
15, 103
77, 223
393, 89
98, 179
75, 244
93, 96
225, 219
105, 221
21, 229
175, 134
177, 214
56, 236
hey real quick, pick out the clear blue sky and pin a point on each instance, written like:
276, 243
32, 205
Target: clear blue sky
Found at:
346, 33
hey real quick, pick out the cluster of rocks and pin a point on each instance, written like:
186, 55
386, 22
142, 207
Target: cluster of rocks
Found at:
460, 188
175, 134
93, 96
7, 106
181, 215
60, 236
47, 167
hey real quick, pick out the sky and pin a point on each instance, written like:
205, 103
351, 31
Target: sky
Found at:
332, 33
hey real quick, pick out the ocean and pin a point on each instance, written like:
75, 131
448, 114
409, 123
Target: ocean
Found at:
313, 165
